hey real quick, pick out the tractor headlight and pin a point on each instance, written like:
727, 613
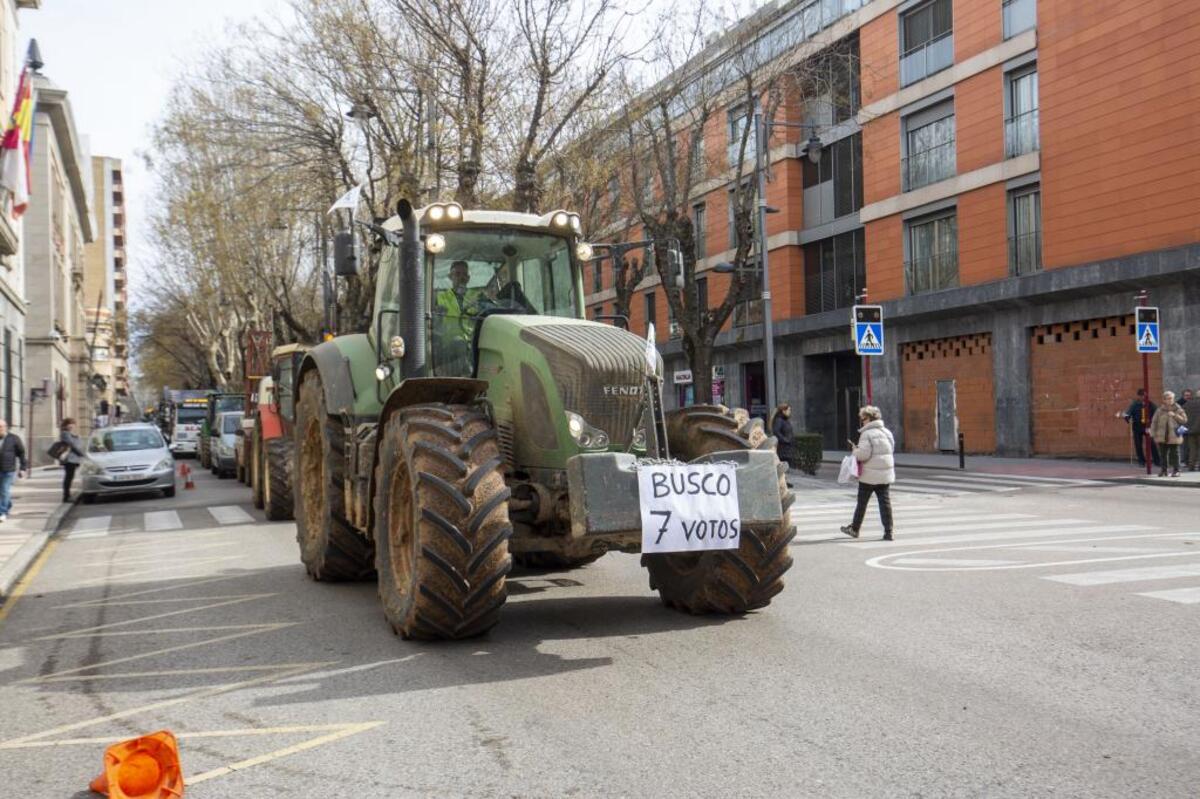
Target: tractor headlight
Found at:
382, 372
584, 434
435, 243
396, 347
560, 219
583, 251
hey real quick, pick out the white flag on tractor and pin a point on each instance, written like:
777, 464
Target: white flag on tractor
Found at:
348, 200
651, 350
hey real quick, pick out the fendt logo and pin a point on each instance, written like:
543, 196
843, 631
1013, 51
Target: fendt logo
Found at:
623, 391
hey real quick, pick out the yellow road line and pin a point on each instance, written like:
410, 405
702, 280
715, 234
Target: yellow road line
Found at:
350, 727
278, 753
24, 582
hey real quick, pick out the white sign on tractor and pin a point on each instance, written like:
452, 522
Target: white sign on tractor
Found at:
689, 507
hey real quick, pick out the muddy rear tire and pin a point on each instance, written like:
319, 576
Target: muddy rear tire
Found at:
277, 487
441, 522
726, 581
256, 465
330, 548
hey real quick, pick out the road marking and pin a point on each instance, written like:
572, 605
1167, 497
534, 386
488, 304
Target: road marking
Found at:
873, 523
1184, 596
87, 631
278, 753
230, 514
950, 562
90, 527
1055, 530
1017, 480
947, 483
22, 585
879, 560
325, 675
105, 600
108, 739
1026, 478
1129, 575
155, 521
1086, 548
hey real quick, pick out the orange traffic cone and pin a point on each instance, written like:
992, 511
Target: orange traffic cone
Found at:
141, 768
187, 476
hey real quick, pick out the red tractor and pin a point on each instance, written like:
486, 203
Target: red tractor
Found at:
270, 444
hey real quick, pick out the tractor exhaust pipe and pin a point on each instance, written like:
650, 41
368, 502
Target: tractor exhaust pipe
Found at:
411, 293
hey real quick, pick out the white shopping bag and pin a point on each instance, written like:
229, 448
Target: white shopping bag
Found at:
849, 470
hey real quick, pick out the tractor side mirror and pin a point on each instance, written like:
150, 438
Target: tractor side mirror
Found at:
345, 256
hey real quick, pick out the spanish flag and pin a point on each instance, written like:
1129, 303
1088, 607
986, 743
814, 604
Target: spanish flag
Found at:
18, 143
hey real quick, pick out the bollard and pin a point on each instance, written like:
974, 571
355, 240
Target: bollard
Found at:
962, 456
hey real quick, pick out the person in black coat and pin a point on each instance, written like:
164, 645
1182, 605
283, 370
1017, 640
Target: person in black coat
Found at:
13, 464
1137, 426
785, 435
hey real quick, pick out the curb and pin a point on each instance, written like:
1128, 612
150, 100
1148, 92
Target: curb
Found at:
1160, 482
12, 570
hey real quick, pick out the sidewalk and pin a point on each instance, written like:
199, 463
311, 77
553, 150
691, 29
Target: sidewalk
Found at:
1115, 471
35, 516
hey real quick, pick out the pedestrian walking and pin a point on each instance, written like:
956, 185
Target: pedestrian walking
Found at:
13, 464
1133, 416
73, 455
1184, 445
877, 463
1164, 430
785, 434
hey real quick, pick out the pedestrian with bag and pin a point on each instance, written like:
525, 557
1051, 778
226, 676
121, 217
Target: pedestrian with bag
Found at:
875, 453
13, 464
1165, 431
72, 455
785, 434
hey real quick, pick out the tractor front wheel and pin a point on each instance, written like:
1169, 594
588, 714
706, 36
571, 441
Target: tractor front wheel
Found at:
441, 522
277, 487
330, 548
256, 465
723, 581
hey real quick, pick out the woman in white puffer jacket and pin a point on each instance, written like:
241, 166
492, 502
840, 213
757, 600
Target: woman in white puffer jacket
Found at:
877, 465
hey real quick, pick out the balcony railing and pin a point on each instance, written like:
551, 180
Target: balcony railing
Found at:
748, 313
929, 166
1025, 253
926, 59
1021, 134
1019, 16
932, 272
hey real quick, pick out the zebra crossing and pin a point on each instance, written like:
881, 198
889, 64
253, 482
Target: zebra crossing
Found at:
950, 484
159, 521
1085, 554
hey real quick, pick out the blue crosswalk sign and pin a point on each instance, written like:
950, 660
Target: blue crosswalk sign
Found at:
1147, 331
868, 329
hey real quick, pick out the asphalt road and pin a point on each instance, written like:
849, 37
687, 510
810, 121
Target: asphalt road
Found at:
1016, 640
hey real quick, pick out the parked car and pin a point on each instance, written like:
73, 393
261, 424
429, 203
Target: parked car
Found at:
226, 427
128, 459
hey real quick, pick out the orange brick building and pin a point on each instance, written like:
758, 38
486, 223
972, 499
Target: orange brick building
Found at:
1005, 176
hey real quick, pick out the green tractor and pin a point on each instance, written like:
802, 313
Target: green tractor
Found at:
483, 420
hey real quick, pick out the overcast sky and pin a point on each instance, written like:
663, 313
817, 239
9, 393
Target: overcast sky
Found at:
117, 60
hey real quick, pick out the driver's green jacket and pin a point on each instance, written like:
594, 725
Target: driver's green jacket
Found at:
455, 316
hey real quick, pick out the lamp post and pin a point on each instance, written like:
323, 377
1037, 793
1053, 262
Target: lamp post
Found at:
813, 150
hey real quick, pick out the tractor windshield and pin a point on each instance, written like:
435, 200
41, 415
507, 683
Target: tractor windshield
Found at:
494, 271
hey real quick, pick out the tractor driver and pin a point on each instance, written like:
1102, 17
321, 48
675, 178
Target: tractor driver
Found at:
458, 308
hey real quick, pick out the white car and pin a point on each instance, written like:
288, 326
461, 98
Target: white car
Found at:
128, 459
225, 430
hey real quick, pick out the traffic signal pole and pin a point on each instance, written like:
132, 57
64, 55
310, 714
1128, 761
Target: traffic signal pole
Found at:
866, 359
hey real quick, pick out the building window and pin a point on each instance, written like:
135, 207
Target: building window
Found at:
929, 146
1025, 230
699, 230
651, 317
702, 294
932, 254
833, 186
9, 386
597, 277
1021, 124
834, 92
834, 272
739, 119
1019, 16
749, 309
926, 41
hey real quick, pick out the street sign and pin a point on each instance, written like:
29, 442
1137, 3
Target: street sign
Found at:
868, 329
1147, 330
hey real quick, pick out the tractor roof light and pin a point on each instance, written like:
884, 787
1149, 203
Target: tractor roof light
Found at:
436, 213
584, 251
576, 224
444, 212
454, 212
560, 219
435, 243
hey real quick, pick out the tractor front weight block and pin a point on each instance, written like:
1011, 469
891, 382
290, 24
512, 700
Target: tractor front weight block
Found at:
601, 485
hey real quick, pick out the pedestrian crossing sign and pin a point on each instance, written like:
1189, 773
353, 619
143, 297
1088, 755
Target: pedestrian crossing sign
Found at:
1147, 331
868, 329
